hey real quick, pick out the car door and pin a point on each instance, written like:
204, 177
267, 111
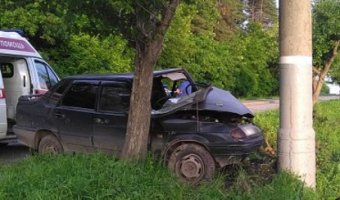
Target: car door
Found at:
74, 116
16, 78
111, 119
46, 77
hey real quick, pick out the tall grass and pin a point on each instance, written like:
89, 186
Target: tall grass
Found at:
104, 177
327, 129
269, 123
96, 177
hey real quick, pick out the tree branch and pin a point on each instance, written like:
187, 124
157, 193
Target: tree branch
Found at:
331, 60
316, 71
165, 22
325, 70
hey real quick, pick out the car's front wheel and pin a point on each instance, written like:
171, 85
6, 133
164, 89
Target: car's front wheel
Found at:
49, 144
192, 163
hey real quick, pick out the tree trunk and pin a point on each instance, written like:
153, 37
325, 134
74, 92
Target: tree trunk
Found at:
324, 72
261, 12
139, 113
135, 146
253, 13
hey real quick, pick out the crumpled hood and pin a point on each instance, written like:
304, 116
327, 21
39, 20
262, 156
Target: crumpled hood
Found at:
223, 101
208, 99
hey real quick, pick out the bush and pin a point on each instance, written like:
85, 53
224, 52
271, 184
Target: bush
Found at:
87, 54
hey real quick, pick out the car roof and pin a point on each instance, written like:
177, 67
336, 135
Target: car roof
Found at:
120, 76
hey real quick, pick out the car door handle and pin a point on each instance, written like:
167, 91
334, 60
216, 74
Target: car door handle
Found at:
100, 120
59, 115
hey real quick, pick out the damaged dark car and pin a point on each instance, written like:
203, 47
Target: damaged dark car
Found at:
195, 128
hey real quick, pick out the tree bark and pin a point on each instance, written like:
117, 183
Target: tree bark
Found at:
135, 146
322, 73
261, 12
253, 8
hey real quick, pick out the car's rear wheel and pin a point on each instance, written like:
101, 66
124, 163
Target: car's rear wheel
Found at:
49, 144
192, 163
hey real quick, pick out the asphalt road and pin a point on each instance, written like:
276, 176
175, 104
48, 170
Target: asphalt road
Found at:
262, 105
14, 151
271, 104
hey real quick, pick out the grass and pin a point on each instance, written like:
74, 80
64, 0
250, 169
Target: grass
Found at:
327, 129
104, 177
96, 177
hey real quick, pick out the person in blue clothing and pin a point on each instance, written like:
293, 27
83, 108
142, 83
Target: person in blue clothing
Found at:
184, 89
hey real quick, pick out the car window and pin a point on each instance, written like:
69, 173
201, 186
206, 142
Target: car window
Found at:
7, 70
46, 77
52, 76
81, 95
114, 98
58, 91
42, 76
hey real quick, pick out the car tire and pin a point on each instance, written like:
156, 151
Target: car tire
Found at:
49, 144
192, 163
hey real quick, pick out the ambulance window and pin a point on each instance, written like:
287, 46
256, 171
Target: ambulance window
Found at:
46, 77
53, 77
7, 70
42, 76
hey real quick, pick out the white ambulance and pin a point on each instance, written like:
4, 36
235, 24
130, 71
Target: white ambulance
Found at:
22, 72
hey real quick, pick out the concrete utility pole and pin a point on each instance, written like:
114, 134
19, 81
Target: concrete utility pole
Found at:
296, 138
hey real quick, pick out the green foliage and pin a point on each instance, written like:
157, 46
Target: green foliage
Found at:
327, 128
230, 20
269, 123
211, 60
178, 46
95, 55
69, 36
41, 21
326, 30
96, 177
257, 49
335, 70
203, 56
205, 17
262, 11
241, 64
205, 37
324, 89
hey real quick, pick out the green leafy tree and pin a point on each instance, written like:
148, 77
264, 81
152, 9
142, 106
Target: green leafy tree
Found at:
149, 28
262, 11
231, 18
144, 24
196, 49
42, 24
91, 54
178, 46
326, 40
85, 27
244, 63
206, 37
259, 52
69, 36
